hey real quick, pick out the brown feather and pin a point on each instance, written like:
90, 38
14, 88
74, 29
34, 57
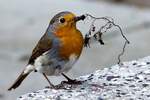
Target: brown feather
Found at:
43, 45
18, 81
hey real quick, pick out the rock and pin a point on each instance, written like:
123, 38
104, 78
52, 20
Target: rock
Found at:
129, 81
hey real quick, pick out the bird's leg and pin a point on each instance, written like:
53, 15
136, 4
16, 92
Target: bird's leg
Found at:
51, 85
71, 81
60, 86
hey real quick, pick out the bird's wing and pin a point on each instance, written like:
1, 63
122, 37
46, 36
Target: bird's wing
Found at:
43, 45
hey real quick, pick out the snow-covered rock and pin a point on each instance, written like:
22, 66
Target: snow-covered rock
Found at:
129, 81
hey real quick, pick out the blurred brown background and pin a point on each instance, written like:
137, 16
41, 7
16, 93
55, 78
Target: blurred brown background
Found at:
23, 22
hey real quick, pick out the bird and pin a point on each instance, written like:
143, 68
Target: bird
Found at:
57, 51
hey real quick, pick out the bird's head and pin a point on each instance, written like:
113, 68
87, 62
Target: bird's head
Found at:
65, 20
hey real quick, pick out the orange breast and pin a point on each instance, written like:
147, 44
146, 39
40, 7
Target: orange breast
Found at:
71, 43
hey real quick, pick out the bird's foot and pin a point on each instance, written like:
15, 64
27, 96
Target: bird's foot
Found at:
59, 86
71, 82
62, 85
66, 84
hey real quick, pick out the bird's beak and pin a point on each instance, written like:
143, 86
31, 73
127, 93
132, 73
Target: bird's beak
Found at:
78, 18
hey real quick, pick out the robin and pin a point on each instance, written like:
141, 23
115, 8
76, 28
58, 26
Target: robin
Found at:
57, 50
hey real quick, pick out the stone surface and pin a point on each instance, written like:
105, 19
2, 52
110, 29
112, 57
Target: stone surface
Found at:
128, 81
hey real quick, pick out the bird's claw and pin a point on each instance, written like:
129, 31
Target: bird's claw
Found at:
63, 84
59, 86
76, 82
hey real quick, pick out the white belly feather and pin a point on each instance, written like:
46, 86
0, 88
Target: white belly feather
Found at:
70, 63
52, 70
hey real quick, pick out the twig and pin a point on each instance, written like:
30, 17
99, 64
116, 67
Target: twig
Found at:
123, 50
98, 35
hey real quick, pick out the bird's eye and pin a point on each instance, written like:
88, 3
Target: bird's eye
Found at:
62, 20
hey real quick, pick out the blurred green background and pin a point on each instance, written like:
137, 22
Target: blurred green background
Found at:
23, 22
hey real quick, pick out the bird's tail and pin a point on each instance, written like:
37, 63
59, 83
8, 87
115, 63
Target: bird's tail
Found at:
21, 77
